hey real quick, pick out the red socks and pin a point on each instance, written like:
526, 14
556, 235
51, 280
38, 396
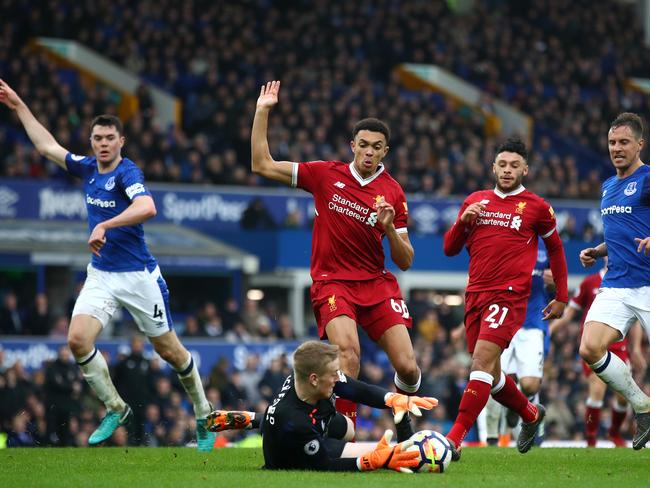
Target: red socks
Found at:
347, 408
618, 416
510, 396
592, 421
474, 399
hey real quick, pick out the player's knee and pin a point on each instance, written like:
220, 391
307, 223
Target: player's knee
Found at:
408, 371
79, 344
350, 360
590, 350
530, 387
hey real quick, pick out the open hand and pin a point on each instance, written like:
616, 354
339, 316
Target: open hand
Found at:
268, 95
8, 96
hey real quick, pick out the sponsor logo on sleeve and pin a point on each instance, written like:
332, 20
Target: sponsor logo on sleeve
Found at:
134, 189
76, 157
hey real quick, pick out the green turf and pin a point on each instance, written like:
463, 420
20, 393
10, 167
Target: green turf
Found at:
239, 468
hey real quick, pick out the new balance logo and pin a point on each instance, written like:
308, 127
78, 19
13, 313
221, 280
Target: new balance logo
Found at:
338, 184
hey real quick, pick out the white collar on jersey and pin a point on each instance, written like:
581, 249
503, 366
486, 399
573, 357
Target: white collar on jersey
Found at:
500, 194
364, 181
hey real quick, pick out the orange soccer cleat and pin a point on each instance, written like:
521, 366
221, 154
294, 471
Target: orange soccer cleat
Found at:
221, 420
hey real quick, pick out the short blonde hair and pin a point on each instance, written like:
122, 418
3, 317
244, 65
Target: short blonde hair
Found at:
313, 357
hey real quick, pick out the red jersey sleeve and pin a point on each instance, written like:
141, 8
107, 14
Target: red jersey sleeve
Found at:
581, 298
307, 175
456, 236
545, 224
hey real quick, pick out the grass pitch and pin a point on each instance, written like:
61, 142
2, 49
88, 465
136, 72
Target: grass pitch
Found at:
239, 468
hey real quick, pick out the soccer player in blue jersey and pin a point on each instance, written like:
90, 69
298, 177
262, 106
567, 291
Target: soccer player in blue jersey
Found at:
122, 271
524, 357
624, 295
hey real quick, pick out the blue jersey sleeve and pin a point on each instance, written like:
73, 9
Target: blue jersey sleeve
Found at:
132, 182
645, 191
80, 166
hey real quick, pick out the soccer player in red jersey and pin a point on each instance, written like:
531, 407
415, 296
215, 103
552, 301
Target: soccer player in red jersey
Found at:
500, 230
357, 205
580, 303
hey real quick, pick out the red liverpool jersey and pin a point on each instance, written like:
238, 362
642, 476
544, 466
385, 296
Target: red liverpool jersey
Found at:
502, 241
587, 292
347, 238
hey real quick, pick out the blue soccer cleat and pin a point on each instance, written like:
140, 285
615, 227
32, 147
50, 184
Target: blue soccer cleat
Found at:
110, 422
204, 438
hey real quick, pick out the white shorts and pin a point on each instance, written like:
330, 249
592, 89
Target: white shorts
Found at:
525, 355
621, 307
144, 294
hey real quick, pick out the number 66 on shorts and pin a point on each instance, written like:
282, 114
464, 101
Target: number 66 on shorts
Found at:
376, 305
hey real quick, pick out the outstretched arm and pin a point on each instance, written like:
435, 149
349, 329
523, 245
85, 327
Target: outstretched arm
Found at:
39, 135
261, 162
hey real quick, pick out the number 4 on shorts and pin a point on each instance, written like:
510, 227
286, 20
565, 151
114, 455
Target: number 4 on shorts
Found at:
157, 312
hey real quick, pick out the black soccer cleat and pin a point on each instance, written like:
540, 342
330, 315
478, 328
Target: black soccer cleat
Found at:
455, 451
642, 434
404, 428
526, 438
512, 418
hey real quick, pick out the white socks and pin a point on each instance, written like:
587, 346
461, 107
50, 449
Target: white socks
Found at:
95, 371
613, 371
191, 381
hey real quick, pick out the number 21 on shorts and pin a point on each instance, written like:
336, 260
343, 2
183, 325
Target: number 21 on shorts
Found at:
496, 316
400, 307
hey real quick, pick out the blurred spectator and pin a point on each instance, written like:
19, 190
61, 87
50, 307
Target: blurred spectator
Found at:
39, 320
62, 394
193, 328
257, 217
11, 322
134, 382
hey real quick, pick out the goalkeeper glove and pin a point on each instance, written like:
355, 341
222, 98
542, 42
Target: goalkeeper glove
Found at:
403, 403
389, 457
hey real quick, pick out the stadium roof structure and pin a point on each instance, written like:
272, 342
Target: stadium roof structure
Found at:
37, 242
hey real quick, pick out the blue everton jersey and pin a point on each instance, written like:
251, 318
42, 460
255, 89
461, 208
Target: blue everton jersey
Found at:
539, 298
625, 209
108, 195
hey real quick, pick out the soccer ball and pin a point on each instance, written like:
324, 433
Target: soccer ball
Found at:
435, 451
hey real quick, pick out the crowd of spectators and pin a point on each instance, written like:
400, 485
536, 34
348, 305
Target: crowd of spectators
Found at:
54, 406
336, 66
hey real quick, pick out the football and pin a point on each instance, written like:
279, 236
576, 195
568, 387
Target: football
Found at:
435, 451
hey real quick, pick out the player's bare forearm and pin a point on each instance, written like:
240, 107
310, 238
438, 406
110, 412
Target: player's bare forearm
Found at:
401, 250
262, 162
141, 209
44, 141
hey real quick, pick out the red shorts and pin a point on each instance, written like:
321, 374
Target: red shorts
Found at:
619, 348
376, 305
493, 316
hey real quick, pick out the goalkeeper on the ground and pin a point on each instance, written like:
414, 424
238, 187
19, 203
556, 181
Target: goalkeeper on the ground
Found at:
301, 429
